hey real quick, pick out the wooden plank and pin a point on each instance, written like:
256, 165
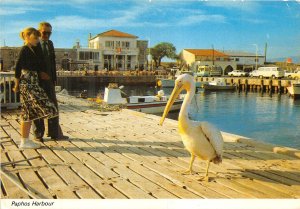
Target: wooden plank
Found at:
127, 188
62, 181
225, 190
56, 187
215, 195
12, 191
90, 162
143, 183
282, 177
146, 173
28, 175
131, 190
273, 184
146, 185
103, 188
160, 153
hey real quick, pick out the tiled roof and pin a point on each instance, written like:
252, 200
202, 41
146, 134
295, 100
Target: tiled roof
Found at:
206, 52
115, 33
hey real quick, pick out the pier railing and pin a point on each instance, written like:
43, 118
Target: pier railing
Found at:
9, 99
255, 84
114, 73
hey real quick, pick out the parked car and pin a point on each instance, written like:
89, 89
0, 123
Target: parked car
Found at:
294, 75
206, 71
268, 72
237, 73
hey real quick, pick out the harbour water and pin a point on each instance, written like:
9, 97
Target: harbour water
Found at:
273, 119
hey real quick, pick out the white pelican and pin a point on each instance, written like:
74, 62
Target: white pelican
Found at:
201, 139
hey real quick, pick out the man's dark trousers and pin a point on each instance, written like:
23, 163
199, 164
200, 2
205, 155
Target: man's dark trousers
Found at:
54, 130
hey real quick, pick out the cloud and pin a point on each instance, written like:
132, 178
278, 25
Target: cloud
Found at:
6, 11
196, 19
44, 2
116, 18
246, 6
254, 20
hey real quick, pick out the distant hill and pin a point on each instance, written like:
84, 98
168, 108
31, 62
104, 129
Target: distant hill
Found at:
295, 59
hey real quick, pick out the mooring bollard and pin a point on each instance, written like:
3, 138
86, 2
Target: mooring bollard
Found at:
270, 85
279, 87
238, 84
261, 85
246, 84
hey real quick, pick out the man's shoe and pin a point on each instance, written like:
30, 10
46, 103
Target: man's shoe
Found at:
63, 137
39, 140
28, 144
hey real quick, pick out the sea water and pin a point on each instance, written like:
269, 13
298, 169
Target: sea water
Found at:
270, 118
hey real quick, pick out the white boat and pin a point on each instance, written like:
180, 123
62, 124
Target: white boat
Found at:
170, 83
151, 104
218, 84
294, 90
145, 104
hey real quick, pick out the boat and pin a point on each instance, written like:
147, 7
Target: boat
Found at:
151, 104
294, 90
219, 84
146, 104
170, 83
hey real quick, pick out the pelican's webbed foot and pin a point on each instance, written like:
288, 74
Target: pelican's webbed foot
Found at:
187, 172
205, 178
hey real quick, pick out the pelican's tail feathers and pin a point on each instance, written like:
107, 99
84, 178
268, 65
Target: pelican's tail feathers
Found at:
217, 159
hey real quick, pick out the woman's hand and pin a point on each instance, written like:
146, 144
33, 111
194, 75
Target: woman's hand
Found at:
44, 76
16, 87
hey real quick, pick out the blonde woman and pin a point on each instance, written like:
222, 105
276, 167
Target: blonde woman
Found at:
35, 104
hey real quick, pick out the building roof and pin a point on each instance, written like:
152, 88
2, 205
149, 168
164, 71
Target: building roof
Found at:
206, 52
234, 53
115, 33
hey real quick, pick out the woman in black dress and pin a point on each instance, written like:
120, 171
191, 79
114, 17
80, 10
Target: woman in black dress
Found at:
35, 103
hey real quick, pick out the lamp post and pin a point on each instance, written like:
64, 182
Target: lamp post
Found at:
213, 55
256, 47
149, 57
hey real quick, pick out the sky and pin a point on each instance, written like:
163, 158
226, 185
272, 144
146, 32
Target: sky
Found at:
224, 25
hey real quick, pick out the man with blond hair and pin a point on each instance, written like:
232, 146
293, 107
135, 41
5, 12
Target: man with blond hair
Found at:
45, 51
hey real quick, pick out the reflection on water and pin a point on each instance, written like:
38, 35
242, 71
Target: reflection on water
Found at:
273, 119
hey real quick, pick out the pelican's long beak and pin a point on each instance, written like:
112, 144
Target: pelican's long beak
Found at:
176, 91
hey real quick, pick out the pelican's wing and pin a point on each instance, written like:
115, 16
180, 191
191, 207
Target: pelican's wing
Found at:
214, 136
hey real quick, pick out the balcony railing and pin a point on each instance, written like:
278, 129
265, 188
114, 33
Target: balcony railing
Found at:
9, 99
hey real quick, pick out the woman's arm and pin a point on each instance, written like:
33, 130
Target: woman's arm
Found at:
20, 63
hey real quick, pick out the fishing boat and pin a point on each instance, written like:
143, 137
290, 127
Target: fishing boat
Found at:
170, 83
218, 85
146, 104
294, 90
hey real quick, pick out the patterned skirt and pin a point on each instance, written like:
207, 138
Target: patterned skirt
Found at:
35, 103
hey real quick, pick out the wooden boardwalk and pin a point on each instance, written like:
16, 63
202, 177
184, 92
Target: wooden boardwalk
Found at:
126, 154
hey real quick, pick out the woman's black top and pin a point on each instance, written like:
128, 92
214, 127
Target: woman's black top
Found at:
28, 60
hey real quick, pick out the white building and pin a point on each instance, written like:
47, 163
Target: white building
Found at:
200, 57
114, 50
227, 60
246, 59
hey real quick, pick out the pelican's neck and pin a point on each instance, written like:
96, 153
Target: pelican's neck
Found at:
183, 114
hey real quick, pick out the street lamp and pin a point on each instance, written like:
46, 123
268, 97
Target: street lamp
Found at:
256, 56
149, 56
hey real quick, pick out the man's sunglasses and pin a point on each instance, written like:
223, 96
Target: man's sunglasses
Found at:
46, 33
